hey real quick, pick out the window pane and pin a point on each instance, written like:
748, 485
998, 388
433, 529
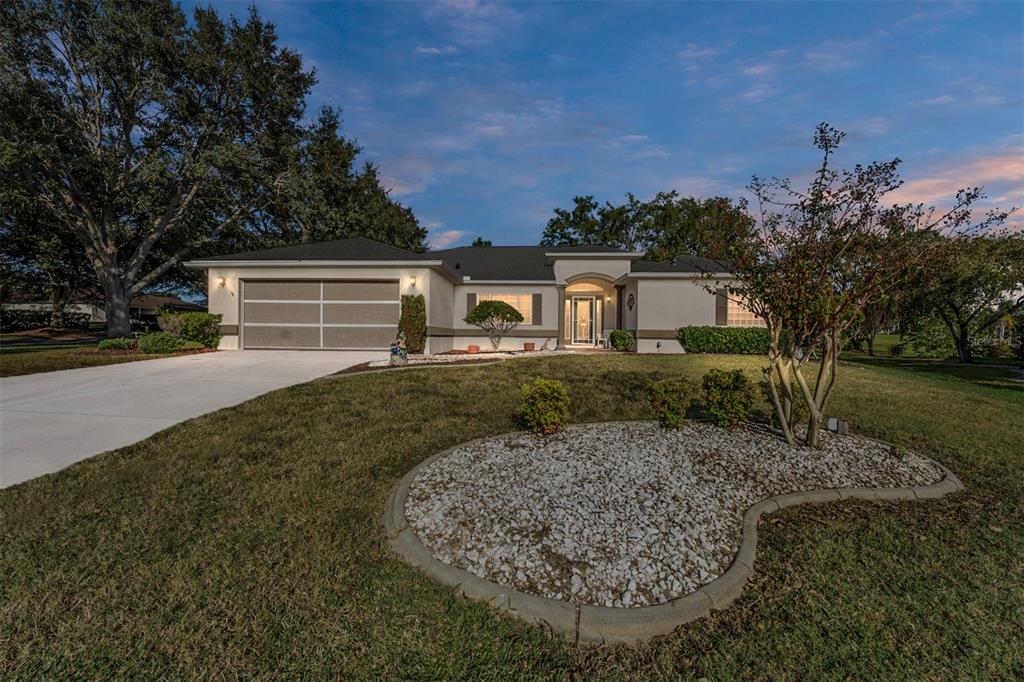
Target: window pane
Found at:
521, 302
739, 315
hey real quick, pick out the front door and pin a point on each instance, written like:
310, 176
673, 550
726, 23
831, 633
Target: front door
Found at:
583, 319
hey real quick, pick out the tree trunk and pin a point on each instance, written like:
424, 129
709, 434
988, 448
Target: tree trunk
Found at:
963, 345
117, 306
871, 345
58, 299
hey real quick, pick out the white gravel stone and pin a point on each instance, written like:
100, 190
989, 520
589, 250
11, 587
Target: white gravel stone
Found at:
626, 513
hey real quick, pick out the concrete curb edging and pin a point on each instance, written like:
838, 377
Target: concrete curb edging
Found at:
586, 623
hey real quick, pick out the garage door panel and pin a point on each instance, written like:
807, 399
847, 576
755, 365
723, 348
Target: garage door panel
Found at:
294, 313
281, 337
358, 337
282, 291
360, 313
361, 291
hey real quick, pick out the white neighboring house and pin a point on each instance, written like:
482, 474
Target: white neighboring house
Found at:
346, 294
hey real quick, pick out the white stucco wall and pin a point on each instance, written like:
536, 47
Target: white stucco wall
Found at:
568, 268
667, 304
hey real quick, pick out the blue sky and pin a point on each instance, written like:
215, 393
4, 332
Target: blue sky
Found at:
484, 117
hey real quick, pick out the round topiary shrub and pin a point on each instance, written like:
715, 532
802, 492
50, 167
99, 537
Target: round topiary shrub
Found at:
544, 407
728, 396
622, 339
159, 343
671, 399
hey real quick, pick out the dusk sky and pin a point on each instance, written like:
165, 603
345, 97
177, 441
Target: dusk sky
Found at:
484, 117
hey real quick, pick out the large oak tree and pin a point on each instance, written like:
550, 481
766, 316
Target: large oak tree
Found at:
151, 139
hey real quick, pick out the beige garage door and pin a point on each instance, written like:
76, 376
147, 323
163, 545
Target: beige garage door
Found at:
319, 314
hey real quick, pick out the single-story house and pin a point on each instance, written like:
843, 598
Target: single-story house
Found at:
346, 294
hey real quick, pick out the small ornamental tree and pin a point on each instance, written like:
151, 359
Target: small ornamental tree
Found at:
497, 318
820, 259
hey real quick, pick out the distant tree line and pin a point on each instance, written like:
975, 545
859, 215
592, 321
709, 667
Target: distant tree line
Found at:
133, 139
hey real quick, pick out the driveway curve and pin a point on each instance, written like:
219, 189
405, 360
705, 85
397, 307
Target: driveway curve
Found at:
51, 420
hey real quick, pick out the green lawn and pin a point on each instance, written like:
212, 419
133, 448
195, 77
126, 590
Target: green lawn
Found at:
249, 543
18, 360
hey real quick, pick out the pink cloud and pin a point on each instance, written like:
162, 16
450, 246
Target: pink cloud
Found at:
1001, 174
442, 238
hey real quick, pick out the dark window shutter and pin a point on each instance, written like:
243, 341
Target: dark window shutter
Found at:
470, 303
722, 307
536, 309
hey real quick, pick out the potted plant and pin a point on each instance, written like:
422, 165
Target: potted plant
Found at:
473, 349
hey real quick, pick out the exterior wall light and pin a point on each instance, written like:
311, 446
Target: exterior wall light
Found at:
221, 281
412, 280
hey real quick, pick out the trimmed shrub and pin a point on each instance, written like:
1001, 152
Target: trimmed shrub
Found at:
732, 340
622, 339
728, 396
121, 343
413, 321
192, 345
896, 350
16, 320
160, 343
544, 407
195, 326
496, 318
671, 399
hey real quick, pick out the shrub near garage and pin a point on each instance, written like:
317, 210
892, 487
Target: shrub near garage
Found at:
671, 399
728, 396
160, 343
731, 340
121, 343
203, 328
545, 406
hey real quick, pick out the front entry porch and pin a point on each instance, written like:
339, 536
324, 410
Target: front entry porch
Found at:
588, 313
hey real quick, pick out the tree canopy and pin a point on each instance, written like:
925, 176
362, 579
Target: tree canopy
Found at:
664, 226
150, 139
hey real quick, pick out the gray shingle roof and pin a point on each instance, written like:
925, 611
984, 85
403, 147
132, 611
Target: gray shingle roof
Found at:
684, 264
524, 263
356, 248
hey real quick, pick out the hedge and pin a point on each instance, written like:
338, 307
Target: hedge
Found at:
732, 340
23, 320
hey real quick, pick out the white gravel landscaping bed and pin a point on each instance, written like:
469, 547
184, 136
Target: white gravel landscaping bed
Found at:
625, 514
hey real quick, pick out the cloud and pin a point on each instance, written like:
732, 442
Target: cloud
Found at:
941, 99
759, 69
472, 22
1000, 173
836, 54
439, 239
694, 58
435, 50
758, 93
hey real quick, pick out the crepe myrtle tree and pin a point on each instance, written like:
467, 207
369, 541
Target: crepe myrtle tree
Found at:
821, 258
497, 318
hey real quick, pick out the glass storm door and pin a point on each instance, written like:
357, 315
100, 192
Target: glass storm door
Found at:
583, 319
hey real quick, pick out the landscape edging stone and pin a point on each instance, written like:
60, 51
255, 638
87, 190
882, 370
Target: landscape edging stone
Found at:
588, 623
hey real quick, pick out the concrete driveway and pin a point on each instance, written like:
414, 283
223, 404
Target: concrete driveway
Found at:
52, 420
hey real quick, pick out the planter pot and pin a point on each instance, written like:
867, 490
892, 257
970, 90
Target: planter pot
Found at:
473, 349
529, 346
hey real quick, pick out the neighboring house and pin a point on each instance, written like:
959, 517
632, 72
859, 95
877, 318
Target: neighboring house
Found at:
346, 294
143, 307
